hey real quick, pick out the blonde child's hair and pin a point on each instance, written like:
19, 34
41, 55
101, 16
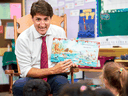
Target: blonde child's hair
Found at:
116, 75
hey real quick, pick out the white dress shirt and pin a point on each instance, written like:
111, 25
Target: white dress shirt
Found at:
28, 47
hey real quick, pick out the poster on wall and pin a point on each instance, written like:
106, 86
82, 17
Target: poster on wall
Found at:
88, 1
1, 29
79, 2
9, 31
74, 12
61, 3
87, 23
62, 11
4, 11
15, 10
56, 11
69, 5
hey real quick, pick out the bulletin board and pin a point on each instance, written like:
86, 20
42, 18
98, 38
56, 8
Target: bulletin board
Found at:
7, 12
113, 21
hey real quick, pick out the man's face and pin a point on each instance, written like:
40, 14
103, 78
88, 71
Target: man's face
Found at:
41, 23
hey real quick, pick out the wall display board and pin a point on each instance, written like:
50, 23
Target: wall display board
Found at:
113, 18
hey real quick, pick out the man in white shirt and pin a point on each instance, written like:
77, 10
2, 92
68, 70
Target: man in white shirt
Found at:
28, 51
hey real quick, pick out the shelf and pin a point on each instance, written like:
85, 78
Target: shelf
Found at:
118, 61
94, 70
116, 52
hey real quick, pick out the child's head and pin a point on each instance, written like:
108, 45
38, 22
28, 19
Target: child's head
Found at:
103, 92
114, 76
77, 89
36, 87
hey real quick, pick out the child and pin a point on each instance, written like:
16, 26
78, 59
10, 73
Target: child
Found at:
36, 87
103, 92
114, 77
77, 89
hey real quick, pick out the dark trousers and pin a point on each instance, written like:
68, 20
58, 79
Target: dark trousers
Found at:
55, 81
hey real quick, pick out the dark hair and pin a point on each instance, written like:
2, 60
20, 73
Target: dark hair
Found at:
103, 92
41, 7
116, 75
76, 89
36, 87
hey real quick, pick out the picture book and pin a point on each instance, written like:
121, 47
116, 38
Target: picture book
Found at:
81, 52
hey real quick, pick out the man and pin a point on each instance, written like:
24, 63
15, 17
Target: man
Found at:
29, 51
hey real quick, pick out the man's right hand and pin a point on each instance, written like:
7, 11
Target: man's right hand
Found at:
62, 66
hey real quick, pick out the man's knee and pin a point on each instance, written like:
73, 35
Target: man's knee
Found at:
61, 80
17, 87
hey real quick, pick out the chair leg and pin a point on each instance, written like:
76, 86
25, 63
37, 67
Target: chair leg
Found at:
10, 82
72, 78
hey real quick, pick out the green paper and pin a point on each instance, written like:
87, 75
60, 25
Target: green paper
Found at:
4, 11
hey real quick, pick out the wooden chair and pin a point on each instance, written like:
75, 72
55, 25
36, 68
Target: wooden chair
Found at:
24, 23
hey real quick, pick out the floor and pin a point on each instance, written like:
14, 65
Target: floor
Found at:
5, 94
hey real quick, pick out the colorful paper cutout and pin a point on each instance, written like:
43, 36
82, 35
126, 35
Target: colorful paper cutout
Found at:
15, 10
4, 11
1, 29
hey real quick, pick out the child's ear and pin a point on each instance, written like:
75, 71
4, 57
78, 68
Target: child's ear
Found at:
106, 83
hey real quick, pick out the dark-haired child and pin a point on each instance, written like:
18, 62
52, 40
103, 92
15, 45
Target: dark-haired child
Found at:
36, 87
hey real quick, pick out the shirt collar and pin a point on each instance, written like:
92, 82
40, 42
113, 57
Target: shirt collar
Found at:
38, 35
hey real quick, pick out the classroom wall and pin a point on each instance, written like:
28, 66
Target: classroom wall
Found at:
72, 21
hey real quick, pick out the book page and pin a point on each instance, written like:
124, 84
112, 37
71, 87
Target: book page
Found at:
81, 52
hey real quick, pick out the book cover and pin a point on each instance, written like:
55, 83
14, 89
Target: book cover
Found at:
81, 52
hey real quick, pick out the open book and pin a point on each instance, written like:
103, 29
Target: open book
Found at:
81, 52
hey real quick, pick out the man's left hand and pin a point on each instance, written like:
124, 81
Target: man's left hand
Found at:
74, 65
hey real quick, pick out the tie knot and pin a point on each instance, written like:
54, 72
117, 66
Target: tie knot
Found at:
44, 39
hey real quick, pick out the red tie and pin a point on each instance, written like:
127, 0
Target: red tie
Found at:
44, 55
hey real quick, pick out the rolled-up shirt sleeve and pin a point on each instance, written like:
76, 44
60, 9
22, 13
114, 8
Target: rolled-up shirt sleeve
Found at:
23, 56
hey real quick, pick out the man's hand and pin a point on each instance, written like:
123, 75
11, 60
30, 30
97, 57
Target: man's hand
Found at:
74, 65
63, 66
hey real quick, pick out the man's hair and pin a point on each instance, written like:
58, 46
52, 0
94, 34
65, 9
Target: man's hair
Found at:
42, 7
36, 87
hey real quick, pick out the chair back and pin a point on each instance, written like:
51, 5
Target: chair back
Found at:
26, 21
